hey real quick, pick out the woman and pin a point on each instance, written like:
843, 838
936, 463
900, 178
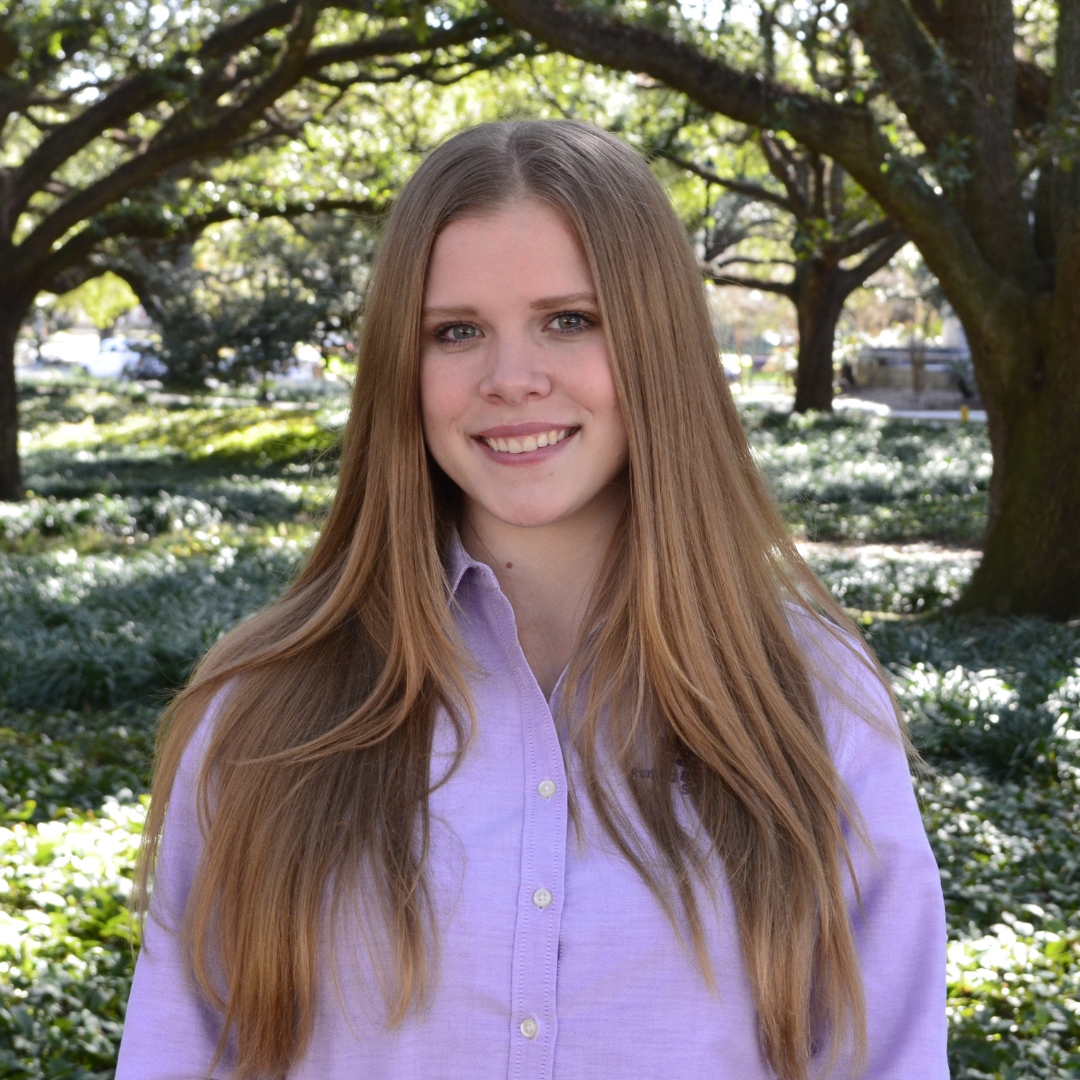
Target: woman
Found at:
556, 760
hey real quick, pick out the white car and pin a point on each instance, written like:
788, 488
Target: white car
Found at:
115, 357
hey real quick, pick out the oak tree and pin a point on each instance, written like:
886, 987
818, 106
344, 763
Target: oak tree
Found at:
125, 122
832, 236
962, 119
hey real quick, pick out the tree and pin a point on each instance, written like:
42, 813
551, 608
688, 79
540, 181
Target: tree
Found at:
126, 122
827, 221
962, 121
234, 306
783, 205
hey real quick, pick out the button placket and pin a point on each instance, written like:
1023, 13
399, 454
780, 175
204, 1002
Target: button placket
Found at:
543, 854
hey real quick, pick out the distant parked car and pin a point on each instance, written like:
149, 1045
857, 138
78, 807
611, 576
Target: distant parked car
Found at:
147, 367
115, 357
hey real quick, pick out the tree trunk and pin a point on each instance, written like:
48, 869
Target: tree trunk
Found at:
819, 298
10, 474
1031, 556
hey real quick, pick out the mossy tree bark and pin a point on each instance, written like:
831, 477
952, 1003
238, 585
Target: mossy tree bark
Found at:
819, 300
1031, 558
10, 470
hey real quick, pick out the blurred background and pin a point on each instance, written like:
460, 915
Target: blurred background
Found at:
884, 204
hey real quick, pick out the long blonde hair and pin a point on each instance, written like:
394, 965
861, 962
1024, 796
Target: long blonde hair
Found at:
317, 772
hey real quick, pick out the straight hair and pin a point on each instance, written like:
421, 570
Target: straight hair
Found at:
316, 775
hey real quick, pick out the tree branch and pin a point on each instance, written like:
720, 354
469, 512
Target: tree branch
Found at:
68, 139
175, 144
1033, 89
235, 35
395, 42
1066, 82
740, 187
782, 166
781, 288
178, 147
129, 97
863, 237
929, 14
914, 70
874, 261
130, 224
981, 37
737, 260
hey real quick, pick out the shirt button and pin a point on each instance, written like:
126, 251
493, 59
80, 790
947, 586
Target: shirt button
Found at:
546, 788
529, 1027
542, 898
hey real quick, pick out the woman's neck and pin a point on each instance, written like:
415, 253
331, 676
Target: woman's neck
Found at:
547, 573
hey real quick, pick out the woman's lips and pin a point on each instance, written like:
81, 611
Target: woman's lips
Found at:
519, 443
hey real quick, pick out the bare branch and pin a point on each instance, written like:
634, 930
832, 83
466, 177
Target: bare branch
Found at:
863, 237
736, 260
781, 288
875, 260
132, 224
740, 187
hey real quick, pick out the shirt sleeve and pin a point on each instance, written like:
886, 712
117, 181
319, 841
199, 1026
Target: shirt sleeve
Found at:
898, 916
170, 1032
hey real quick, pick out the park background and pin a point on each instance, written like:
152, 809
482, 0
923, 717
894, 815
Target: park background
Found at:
885, 199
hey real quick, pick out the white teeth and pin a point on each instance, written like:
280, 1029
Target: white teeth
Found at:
528, 443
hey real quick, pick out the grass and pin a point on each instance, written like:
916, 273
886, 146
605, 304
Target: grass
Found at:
156, 522
843, 478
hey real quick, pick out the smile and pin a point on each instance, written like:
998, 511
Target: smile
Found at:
526, 444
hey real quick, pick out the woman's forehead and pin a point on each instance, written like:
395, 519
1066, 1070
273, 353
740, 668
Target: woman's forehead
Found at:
525, 250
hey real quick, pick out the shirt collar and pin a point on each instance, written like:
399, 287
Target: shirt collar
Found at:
459, 562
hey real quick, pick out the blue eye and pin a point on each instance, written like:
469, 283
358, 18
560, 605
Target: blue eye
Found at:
457, 332
570, 322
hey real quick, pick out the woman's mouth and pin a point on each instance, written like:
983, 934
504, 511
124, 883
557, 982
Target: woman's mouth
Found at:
526, 444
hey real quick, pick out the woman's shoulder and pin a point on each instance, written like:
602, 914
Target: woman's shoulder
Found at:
198, 743
856, 707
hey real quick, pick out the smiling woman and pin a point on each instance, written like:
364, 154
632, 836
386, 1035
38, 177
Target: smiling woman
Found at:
521, 412
556, 761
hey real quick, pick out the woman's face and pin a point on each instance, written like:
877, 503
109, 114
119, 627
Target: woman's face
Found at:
516, 391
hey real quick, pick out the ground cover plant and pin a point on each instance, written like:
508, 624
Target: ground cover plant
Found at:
157, 521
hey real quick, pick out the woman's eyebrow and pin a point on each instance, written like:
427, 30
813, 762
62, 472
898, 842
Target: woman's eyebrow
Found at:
564, 301
464, 309
543, 304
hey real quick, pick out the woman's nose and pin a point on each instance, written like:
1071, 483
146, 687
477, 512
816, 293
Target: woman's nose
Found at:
516, 371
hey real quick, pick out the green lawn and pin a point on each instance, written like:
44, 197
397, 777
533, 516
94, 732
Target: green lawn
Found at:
156, 522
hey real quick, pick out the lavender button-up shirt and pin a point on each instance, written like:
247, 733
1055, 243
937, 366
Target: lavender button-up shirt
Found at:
555, 960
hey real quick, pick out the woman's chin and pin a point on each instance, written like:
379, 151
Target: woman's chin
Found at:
533, 515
